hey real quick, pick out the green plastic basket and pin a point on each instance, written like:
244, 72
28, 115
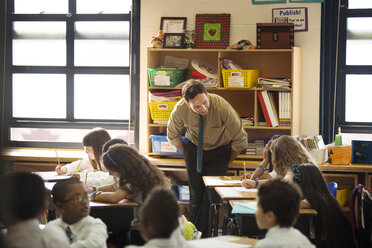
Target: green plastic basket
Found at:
166, 77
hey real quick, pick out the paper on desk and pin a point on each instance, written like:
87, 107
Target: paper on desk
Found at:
242, 189
212, 180
220, 181
51, 176
245, 208
218, 242
232, 181
231, 192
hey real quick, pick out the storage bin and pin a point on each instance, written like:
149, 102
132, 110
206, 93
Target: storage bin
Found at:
182, 192
343, 194
166, 77
160, 145
161, 111
240, 78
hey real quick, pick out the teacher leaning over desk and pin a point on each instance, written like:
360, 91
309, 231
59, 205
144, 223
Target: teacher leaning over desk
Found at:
215, 137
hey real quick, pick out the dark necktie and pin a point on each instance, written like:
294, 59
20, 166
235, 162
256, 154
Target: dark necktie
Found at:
69, 234
199, 158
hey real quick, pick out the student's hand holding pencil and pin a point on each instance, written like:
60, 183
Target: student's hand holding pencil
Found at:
249, 184
61, 170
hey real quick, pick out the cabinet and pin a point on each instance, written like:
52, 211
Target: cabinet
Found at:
275, 63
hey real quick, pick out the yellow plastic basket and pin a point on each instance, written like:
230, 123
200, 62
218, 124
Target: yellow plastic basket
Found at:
343, 194
160, 111
240, 78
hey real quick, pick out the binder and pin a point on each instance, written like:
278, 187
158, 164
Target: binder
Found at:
264, 109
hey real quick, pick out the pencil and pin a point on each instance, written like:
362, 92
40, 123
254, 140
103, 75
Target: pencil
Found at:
86, 177
245, 173
77, 169
59, 165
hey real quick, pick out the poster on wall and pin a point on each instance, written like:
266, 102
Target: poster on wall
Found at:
297, 16
212, 30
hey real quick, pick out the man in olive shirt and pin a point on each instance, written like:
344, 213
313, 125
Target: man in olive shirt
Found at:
224, 138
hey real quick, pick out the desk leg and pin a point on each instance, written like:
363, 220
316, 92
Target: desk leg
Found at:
214, 210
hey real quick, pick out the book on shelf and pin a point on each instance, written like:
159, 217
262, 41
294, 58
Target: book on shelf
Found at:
284, 109
275, 83
270, 109
264, 109
312, 142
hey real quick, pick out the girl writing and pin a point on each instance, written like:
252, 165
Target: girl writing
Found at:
93, 142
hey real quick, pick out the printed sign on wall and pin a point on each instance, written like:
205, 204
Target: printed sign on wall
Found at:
297, 16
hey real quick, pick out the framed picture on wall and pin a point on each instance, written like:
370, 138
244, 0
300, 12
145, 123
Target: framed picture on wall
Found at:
174, 40
173, 25
212, 30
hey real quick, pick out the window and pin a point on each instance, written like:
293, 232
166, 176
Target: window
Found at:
69, 67
346, 80
353, 109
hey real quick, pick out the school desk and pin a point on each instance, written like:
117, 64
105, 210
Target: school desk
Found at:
116, 216
225, 241
210, 183
248, 226
226, 194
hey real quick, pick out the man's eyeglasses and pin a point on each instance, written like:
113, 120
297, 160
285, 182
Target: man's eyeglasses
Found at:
78, 198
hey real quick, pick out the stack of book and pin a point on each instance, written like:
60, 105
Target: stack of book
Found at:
312, 142
251, 150
276, 83
268, 108
255, 148
285, 109
248, 121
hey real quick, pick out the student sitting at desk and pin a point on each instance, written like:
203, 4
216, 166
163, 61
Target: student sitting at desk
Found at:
93, 142
72, 202
265, 169
286, 150
159, 220
332, 228
278, 205
23, 195
137, 176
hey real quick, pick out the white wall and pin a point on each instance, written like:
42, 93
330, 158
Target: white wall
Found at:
244, 17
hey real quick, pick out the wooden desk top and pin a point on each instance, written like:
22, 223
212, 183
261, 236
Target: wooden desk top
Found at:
222, 181
123, 203
42, 154
303, 211
232, 193
70, 155
224, 241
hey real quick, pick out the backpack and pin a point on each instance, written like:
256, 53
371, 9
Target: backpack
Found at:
361, 215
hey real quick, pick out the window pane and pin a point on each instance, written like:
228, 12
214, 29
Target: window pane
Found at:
39, 95
102, 97
102, 44
359, 41
103, 7
39, 43
62, 134
40, 6
358, 102
360, 4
